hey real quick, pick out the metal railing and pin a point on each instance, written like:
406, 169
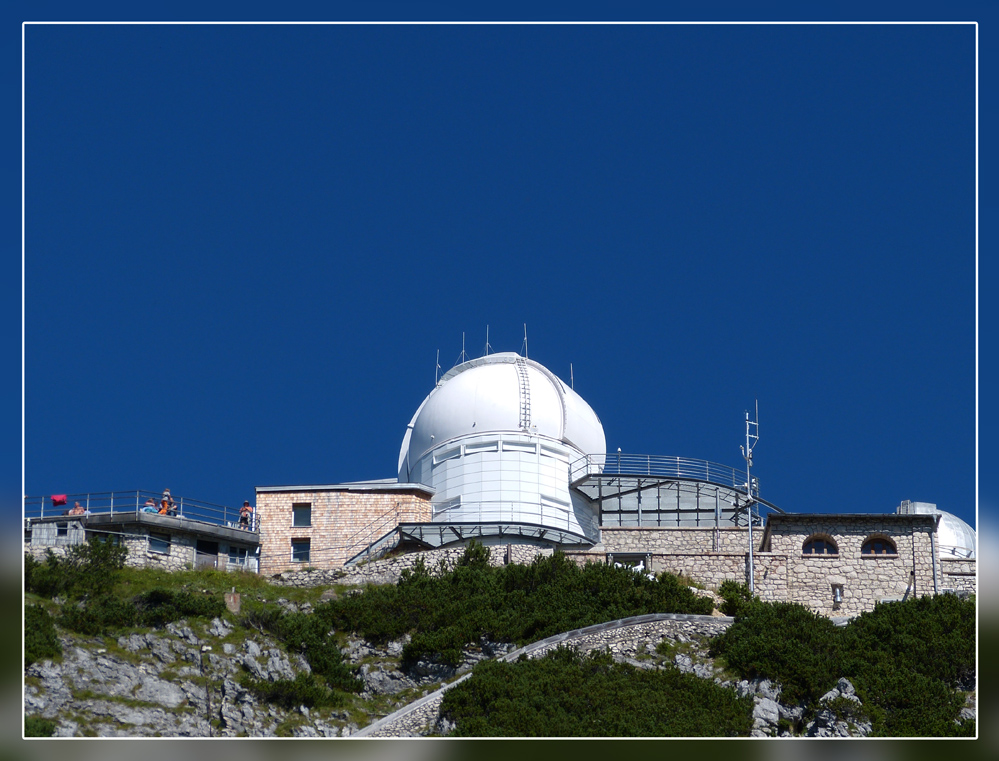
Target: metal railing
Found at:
364, 537
516, 511
133, 503
615, 463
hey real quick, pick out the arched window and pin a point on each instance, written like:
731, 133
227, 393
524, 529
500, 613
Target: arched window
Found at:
819, 545
878, 545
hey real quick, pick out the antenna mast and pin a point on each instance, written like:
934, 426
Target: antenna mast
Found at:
572, 383
438, 368
752, 487
524, 347
463, 357
487, 341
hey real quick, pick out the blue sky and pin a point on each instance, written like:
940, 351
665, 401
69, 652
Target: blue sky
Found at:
244, 246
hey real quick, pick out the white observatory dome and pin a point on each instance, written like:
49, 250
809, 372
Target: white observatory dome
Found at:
955, 537
496, 440
497, 393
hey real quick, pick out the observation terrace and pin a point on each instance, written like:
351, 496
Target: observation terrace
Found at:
109, 509
643, 490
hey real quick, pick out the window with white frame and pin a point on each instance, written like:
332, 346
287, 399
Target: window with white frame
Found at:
300, 550
301, 514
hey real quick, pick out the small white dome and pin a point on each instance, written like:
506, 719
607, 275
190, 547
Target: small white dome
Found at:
955, 537
500, 393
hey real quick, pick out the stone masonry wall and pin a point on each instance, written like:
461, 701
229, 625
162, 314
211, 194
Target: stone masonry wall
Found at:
675, 540
343, 523
865, 579
179, 555
712, 568
958, 575
388, 570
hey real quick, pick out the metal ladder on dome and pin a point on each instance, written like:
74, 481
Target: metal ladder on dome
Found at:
525, 394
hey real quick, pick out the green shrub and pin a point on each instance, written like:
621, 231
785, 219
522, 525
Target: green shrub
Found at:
48, 578
106, 614
933, 636
568, 695
89, 569
40, 640
35, 726
457, 607
103, 615
310, 635
784, 642
292, 693
904, 658
159, 607
736, 597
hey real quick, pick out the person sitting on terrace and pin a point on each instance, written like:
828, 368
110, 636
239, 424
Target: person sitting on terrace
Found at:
77, 509
166, 508
245, 515
149, 507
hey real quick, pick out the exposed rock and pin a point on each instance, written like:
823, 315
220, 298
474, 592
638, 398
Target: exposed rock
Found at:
154, 690
278, 666
382, 680
219, 628
766, 709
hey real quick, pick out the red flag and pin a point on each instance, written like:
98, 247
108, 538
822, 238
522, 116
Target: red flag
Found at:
58, 499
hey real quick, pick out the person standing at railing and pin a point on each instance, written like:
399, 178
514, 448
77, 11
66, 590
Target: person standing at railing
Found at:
246, 515
168, 501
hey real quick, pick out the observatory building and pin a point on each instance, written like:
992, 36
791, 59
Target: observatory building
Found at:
495, 440
503, 451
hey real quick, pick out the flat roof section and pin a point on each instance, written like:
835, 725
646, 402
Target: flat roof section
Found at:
364, 486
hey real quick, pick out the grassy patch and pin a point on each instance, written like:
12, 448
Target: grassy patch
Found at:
286, 727
35, 726
122, 699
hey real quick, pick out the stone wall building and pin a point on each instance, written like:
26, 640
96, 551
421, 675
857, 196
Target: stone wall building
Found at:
153, 541
325, 526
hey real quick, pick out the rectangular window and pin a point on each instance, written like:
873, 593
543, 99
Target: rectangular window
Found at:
104, 538
300, 550
62, 529
451, 454
159, 543
301, 514
237, 556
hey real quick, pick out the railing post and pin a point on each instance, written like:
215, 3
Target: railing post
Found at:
88, 501
181, 512
112, 503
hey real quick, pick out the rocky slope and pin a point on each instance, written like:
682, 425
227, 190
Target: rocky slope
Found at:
180, 681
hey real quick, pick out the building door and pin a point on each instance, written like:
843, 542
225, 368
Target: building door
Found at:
206, 554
